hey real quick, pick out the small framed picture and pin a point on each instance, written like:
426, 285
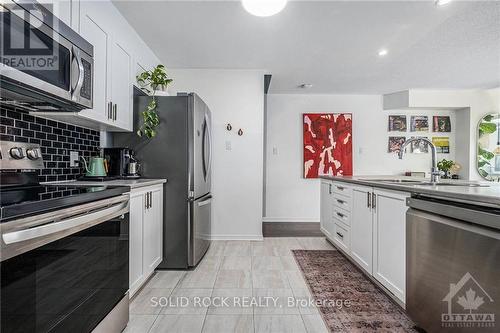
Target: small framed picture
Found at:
397, 123
395, 143
442, 144
419, 124
441, 124
419, 147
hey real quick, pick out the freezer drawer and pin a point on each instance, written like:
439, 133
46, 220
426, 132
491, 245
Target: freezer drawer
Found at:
200, 231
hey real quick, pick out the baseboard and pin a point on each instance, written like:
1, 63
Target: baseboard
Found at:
289, 219
295, 229
237, 237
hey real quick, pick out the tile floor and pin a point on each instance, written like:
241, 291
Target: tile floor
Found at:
256, 269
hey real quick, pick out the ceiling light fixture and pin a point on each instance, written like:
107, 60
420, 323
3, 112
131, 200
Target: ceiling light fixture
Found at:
383, 52
263, 8
442, 2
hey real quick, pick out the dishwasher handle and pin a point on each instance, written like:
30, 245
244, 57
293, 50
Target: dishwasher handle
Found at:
479, 215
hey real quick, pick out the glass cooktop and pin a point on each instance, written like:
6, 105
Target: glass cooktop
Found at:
16, 202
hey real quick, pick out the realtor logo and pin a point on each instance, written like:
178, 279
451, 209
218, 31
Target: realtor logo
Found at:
24, 43
465, 301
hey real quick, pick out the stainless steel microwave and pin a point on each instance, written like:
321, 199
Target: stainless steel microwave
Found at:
44, 65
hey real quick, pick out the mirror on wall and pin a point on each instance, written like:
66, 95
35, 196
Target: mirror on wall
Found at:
488, 150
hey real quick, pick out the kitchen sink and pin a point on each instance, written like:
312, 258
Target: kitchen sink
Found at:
420, 182
453, 184
402, 181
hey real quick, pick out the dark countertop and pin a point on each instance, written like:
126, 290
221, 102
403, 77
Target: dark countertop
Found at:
130, 183
488, 193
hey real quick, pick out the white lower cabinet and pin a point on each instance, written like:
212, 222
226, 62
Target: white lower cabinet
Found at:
362, 227
326, 218
146, 234
369, 225
389, 240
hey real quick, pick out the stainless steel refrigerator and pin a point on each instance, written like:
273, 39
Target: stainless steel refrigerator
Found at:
181, 153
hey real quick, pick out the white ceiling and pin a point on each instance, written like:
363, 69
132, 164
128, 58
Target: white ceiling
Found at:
331, 44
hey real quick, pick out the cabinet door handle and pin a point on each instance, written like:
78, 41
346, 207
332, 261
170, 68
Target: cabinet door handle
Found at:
340, 214
329, 188
150, 199
340, 235
368, 199
341, 201
341, 188
115, 110
110, 106
146, 201
374, 200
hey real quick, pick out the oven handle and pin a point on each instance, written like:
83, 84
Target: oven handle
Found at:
78, 222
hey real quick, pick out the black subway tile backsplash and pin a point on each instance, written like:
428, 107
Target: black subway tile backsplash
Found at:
55, 138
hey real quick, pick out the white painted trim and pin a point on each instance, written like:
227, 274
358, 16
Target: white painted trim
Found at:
237, 237
290, 219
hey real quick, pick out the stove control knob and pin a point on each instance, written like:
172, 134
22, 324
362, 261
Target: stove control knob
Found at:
16, 153
33, 153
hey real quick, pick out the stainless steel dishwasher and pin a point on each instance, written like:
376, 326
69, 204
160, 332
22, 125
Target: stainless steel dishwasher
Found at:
453, 265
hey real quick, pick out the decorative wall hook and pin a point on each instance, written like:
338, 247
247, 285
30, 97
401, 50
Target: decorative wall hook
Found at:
240, 132
229, 127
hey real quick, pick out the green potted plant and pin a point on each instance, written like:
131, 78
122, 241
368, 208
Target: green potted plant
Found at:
445, 166
152, 81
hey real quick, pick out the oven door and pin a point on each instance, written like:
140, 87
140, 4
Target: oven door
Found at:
75, 275
39, 67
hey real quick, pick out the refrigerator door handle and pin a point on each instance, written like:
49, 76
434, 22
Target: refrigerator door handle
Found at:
205, 202
209, 131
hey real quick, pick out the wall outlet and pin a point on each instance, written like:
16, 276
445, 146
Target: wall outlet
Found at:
74, 159
228, 145
275, 150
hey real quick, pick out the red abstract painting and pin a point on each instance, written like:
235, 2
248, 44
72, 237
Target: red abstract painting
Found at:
327, 144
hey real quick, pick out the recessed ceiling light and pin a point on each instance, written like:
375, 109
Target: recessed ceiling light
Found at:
382, 52
263, 8
442, 2
306, 86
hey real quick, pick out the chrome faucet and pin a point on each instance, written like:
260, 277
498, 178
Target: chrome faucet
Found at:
434, 170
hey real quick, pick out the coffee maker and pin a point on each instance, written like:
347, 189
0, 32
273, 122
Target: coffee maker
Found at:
121, 163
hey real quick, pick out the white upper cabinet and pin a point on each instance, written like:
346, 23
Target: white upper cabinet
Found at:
121, 87
119, 55
96, 34
60, 8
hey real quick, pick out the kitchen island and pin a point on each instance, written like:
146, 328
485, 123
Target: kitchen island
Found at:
366, 218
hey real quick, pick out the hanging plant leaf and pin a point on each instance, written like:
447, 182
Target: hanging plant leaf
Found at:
483, 173
157, 77
487, 128
485, 154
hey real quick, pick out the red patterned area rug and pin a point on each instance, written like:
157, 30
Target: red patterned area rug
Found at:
347, 300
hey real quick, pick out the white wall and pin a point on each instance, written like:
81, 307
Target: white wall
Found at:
290, 197
236, 97
475, 103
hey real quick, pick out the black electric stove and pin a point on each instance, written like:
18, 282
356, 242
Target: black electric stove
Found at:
64, 249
